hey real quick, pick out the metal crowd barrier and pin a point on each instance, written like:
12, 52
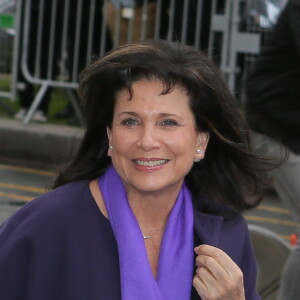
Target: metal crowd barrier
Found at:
234, 40
242, 26
56, 39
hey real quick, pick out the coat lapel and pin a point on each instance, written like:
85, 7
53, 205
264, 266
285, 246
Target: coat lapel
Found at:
208, 228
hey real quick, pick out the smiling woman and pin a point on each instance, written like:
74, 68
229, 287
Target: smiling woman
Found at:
155, 189
154, 138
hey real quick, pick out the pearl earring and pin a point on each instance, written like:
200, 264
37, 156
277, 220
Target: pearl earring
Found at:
111, 147
197, 152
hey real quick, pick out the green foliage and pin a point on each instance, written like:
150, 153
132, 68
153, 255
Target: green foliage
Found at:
4, 82
7, 21
59, 100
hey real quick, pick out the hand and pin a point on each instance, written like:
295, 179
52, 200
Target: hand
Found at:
217, 276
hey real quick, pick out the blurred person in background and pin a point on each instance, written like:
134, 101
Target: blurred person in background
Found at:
265, 12
130, 11
273, 111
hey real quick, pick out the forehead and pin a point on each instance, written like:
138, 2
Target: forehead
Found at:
149, 94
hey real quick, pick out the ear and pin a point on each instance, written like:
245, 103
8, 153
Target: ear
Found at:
109, 137
203, 138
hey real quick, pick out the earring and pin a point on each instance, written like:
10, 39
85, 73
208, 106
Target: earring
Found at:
197, 152
110, 147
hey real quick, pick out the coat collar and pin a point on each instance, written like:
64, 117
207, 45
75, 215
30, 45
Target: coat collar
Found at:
208, 228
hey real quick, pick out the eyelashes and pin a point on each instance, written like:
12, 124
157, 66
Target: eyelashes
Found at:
130, 122
135, 122
169, 122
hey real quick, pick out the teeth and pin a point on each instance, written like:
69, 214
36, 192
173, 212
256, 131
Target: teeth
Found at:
151, 163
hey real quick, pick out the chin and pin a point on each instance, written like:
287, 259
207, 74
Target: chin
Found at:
147, 188
155, 185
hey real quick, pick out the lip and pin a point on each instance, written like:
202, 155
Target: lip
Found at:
149, 168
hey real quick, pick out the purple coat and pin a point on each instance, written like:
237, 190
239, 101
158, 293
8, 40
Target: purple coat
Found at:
59, 246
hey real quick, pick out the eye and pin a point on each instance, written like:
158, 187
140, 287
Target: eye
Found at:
129, 122
169, 122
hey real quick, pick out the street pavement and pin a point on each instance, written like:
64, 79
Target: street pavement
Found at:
273, 215
19, 185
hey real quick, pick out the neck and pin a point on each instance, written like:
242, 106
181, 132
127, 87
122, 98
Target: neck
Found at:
152, 208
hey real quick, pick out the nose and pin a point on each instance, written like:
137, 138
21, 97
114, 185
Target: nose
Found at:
148, 138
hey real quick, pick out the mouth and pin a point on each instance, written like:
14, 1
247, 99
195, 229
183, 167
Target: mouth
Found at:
151, 163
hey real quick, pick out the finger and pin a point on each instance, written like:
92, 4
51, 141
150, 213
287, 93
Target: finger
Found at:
213, 266
206, 277
220, 256
200, 283
205, 285
209, 288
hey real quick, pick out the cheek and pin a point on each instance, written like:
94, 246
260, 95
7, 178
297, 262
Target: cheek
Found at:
121, 140
182, 144
122, 148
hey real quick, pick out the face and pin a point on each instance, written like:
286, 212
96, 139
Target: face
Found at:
154, 137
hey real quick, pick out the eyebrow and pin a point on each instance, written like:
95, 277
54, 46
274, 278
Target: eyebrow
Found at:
134, 114
128, 113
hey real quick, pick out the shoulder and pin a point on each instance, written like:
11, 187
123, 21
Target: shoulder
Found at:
61, 197
62, 232
58, 206
64, 216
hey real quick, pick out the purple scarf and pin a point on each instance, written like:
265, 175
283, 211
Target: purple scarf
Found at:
175, 267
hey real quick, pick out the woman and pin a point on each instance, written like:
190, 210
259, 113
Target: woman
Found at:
149, 207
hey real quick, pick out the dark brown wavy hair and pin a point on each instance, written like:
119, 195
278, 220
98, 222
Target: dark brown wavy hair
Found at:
229, 170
